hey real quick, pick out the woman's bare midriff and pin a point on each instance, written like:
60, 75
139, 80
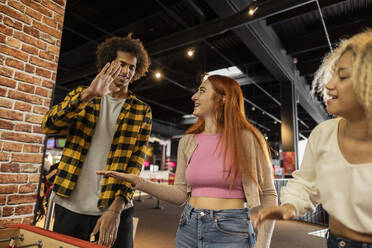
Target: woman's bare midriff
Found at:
339, 229
216, 203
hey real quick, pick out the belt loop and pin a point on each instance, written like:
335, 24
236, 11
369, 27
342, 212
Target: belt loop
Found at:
327, 234
188, 212
212, 215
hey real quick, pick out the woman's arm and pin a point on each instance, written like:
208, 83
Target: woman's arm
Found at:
176, 194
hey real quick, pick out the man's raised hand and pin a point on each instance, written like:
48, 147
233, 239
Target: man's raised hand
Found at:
102, 83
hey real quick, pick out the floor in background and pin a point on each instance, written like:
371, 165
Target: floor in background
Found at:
157, 228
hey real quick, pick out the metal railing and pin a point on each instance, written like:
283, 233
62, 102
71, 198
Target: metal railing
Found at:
319, 216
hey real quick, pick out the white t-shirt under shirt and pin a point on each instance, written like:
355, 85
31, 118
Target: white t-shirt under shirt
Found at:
84, 197
343, 189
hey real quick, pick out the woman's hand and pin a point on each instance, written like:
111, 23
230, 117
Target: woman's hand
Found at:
283, 212
122, 177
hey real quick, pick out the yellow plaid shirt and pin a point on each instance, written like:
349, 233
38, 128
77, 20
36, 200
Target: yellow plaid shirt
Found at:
127, 150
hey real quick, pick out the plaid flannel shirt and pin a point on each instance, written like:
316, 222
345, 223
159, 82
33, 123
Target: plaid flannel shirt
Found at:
128, 146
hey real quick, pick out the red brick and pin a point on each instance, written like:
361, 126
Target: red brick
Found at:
27, 78
47, 84
5, 30
12, 147
7, 222
37, 129
35, 178
17, 199
31, 31
13, 178
13, 52
40, 110
46, 55
29, 168
2, 200
34, 118
49, 21
29, 40
22, 106
43, 73
44, 28
2, 38
15, 14
46, 102
55, 7
60, 2
8, 211
28, 138
34, 14
4, 156
7, 82
53, 49
13, 43
24, 209
12, 167
11, 115
30, 68
48, 38
27, 158
4, 71
8, 189
24, 97
26, 88
43, 92
6, 103
15, 64
54, 76
11, 23
31, 148
23, 127
4, 90
58, 18
39, 62
2, 59
32, 4
6, 125
17, 5
29, 49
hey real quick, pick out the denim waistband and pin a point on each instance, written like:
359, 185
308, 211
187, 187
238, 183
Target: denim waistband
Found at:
242, 212
344, 242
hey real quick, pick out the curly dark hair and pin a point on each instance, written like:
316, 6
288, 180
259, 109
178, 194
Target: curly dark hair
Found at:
107, 52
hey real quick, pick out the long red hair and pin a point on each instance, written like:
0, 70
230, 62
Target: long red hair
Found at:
231, 123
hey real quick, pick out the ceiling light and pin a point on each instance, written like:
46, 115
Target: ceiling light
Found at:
253, 108
190, 52
158, 75
252, 10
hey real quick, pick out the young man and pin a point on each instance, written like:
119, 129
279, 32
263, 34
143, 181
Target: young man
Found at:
108, 129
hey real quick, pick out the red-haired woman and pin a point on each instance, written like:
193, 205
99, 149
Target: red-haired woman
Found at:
223, 171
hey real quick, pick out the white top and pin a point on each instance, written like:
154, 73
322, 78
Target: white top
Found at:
343, 189
84, 197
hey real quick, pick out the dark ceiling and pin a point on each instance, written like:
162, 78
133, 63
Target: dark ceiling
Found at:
264, 49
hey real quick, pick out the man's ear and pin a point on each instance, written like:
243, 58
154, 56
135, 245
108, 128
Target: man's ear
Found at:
223, 98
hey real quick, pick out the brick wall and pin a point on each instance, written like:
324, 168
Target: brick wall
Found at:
30, 38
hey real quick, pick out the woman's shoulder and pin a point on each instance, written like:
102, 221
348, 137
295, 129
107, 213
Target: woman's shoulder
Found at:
325, 127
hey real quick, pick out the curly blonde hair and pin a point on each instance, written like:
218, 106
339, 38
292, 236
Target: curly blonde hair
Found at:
361, 75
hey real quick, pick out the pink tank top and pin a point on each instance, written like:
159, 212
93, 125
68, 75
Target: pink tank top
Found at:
205, 173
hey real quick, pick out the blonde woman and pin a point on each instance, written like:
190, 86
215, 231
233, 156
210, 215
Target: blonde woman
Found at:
337, 167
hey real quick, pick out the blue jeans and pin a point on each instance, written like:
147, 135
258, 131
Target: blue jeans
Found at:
202, 228
341, 242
